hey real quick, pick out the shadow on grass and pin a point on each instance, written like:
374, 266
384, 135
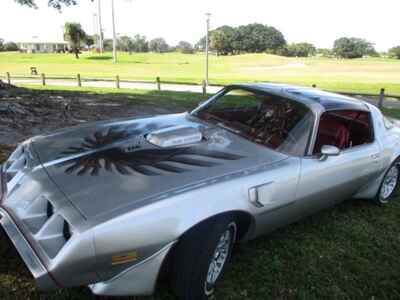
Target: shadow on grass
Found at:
185, 100
105, 57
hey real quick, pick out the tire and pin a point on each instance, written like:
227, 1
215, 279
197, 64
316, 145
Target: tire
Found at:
389, 187
195, 252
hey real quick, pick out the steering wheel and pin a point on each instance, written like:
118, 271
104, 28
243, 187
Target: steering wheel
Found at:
266, 138
258, 115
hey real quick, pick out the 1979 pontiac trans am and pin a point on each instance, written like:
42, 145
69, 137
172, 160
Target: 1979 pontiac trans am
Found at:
112, 205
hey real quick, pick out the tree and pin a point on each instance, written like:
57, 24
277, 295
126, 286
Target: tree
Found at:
108, 45
125, 43
325, 52
260, 38
89, 40
238, 40
300, 50
140, 43
158, 45
201, 44
185, 47
221, 40
353, 48
52, 3
1, 44
394, 52
75, 35
251, 38
10, 46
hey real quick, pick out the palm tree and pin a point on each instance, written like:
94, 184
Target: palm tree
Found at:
74, 34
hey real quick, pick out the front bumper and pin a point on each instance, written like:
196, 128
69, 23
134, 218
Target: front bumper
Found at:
43, 278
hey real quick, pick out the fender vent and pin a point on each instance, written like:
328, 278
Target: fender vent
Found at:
50, 210
54, 235
66, 231
13, 168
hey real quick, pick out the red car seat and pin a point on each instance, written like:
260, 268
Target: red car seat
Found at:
331, 132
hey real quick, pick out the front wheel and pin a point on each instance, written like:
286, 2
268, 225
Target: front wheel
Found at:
389, 185
201, 256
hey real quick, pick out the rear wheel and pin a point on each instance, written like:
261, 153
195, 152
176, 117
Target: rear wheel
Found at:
390, 184
201, 256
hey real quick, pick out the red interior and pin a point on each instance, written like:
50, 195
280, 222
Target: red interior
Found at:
343, 129
331, 132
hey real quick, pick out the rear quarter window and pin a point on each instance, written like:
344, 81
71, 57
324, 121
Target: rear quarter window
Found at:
344, 129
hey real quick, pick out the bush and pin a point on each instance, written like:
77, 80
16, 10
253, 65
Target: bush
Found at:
298, 50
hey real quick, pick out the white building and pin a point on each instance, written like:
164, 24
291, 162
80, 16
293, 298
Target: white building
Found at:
42, 46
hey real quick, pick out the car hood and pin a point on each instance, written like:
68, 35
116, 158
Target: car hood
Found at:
108, 168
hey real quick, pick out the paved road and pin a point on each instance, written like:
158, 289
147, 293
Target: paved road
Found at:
389, 102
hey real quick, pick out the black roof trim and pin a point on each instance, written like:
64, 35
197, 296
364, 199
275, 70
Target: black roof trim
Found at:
327, 100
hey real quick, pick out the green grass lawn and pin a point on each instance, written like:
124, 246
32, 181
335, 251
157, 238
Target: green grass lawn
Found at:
348, 252
359, 75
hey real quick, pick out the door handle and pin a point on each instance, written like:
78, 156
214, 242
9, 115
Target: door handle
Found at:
260, 195
253, 197
375, 158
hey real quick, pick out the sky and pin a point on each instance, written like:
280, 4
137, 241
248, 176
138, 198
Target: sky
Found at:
316, 21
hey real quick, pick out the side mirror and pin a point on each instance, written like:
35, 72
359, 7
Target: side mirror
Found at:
329, 150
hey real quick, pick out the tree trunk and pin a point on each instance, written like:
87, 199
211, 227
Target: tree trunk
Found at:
76, 53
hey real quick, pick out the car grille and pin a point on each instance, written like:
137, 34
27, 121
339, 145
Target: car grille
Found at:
49, 228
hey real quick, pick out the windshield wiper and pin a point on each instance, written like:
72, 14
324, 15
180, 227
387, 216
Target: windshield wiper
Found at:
228, 128
218, 122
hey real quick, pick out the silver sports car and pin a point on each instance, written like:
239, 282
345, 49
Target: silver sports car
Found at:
112, 205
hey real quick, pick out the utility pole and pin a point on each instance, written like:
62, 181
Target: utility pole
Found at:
100, 29
208, 15
96, 40
114, 33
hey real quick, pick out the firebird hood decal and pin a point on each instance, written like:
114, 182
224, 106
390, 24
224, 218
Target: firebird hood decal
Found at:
125, 159
108, 168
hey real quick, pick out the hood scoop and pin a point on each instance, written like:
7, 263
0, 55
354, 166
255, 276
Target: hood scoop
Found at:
175, 136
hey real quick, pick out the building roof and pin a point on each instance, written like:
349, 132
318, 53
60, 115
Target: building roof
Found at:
42, 41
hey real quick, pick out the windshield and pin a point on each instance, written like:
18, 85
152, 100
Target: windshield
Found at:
272, 121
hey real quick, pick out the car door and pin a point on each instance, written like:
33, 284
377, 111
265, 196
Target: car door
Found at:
325, 181
273, 194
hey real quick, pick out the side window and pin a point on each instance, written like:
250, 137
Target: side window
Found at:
344, 129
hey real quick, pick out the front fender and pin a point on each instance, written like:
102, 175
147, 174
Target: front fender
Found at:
149, 229
140, 279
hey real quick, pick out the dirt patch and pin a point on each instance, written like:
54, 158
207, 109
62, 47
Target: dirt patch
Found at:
5, 151
25, 113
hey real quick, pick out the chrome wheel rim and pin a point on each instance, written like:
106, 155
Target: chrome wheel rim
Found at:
389, 183
218, 260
